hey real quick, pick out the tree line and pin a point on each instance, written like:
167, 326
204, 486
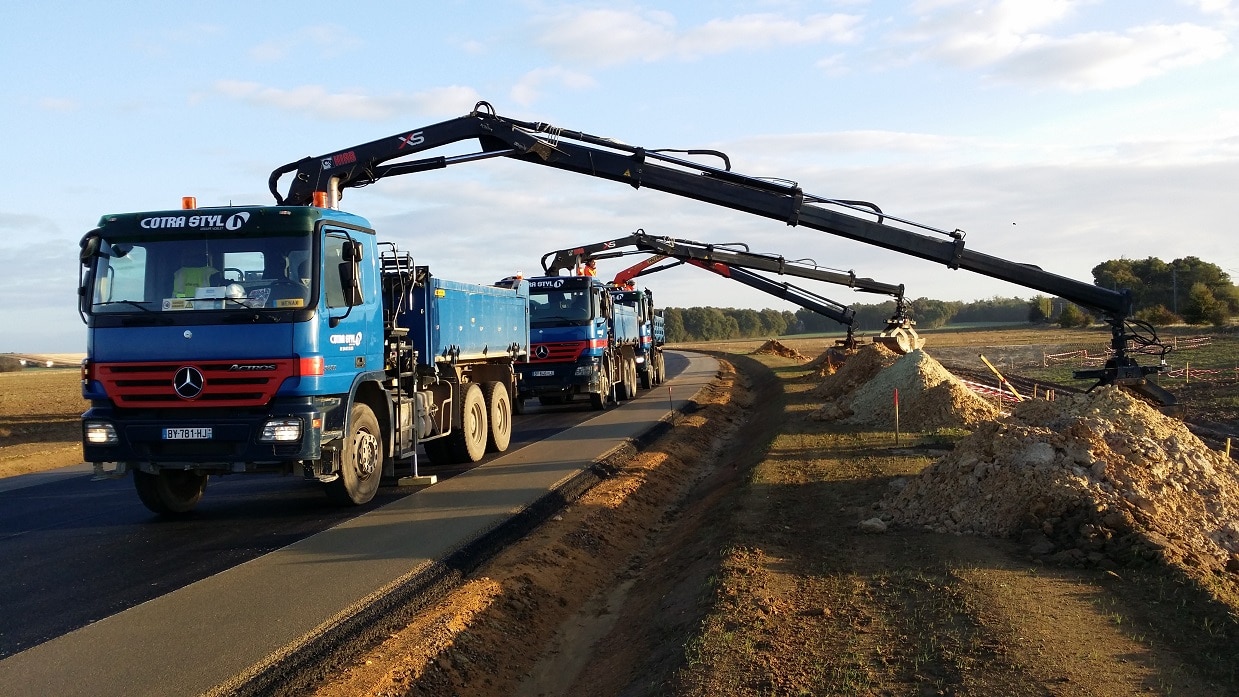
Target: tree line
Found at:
1185, 290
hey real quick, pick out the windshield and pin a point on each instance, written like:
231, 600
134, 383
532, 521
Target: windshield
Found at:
153, 273
559, 306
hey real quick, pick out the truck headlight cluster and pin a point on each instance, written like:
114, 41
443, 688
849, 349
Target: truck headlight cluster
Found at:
99, 433
585, 370
281, 431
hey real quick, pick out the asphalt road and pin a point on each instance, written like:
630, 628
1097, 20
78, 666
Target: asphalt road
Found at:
74, 551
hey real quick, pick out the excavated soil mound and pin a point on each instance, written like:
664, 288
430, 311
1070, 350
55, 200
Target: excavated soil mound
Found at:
859, 368
778, 348
1090, 479
862, 392
828, 363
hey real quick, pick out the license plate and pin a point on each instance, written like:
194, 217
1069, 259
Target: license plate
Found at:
186, 433
543, 373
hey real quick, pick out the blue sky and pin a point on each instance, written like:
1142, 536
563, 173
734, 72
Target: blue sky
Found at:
1058, 133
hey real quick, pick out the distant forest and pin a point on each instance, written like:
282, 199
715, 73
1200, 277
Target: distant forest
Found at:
1185, 290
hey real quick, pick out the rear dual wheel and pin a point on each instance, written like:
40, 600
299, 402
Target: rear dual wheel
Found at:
499, 416
627, 388
468, 441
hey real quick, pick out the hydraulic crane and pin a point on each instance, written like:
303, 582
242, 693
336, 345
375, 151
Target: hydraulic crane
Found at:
606, 158
736, 262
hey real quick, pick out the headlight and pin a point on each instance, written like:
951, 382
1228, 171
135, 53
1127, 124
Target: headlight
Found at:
281, 431
585, 370
99, 433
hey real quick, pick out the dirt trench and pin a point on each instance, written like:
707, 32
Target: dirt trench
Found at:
739, 555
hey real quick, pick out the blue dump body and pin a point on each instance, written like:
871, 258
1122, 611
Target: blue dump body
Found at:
627, 323
467, 322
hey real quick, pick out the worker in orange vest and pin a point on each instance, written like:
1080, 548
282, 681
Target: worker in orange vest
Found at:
590, 268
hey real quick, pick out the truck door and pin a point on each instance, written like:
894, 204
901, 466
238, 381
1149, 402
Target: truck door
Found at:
354, 328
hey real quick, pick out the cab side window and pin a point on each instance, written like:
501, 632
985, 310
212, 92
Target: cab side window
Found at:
333, 255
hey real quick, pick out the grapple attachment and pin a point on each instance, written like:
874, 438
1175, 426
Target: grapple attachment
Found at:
900, 337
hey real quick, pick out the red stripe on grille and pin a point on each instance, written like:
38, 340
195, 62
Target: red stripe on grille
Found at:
557, 351
245, 383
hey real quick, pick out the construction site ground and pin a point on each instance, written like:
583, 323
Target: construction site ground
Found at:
785, 539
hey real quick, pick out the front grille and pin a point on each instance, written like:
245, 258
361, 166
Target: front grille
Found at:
558, 351
224, 383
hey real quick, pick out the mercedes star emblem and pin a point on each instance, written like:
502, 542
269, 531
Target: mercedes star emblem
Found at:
188, 382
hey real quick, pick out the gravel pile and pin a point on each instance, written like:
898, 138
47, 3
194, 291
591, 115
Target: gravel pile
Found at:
862, 392
1091, 479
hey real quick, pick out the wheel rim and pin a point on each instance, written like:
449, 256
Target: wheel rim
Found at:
502, 418
476, 433
366, 448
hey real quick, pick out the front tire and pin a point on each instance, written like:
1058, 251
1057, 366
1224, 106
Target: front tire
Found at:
499, 415
468, 441
361, 462
170, 492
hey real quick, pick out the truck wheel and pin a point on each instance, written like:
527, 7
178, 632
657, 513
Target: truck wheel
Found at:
630, 378
361, 462
499, 414
468, 441
598, 400
608, 382
622, 392
171, 492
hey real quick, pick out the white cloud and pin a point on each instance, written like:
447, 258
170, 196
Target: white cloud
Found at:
60, 104
762, 30
1016, 42
324, 40
608, 37
316, 100
531, 85
1105, 60
612, 37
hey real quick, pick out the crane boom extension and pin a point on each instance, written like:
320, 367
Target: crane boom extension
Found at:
730, 254
786, 291
734, 261
582, 153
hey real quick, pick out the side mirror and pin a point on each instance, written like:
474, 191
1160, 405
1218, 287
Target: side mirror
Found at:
90, 247
350, 281
352, 251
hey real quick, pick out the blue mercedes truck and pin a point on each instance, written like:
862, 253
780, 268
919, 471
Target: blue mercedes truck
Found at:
581, 343
284, 339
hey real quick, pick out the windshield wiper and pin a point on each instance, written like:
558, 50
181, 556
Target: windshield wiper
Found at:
134, 303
